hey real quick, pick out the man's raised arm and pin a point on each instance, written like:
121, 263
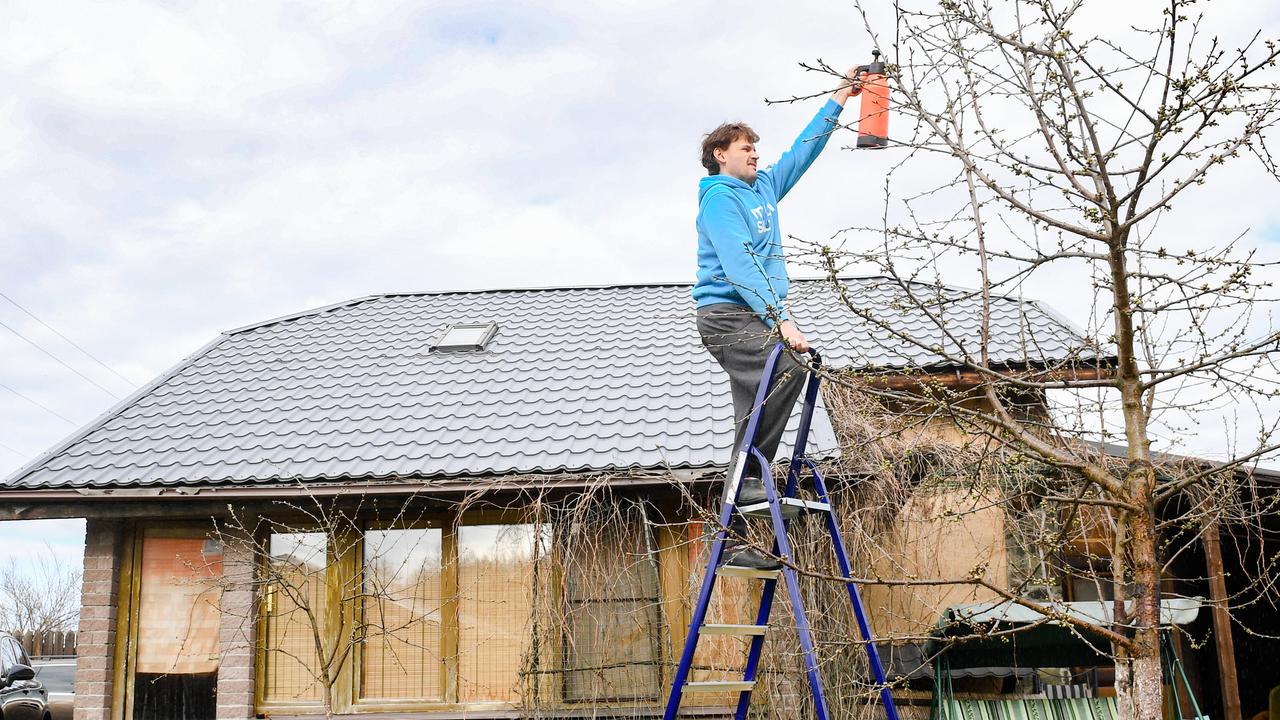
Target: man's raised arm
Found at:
791, 166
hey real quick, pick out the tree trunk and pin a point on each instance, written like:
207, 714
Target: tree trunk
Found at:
326, 692
1138, 675
1138, 688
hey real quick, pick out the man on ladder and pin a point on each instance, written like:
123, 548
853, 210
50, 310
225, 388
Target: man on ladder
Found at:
741, 295
741, 289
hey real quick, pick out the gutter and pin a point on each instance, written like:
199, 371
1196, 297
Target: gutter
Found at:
266, 490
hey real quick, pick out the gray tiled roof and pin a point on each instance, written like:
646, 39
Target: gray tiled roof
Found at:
577, 379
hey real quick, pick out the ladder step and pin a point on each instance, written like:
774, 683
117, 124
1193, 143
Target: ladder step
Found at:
731, 571
718, 629
719, 686
791, 507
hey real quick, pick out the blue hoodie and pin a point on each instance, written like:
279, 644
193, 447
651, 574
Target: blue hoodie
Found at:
739, 244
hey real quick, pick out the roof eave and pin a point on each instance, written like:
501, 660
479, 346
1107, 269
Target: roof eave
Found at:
958, 377
36, 503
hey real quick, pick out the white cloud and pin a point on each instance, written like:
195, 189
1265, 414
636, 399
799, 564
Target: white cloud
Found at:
139, 56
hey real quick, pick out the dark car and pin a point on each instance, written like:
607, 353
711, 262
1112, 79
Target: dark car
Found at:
22, 697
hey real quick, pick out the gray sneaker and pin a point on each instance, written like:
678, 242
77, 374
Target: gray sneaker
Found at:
752, 492
742, 555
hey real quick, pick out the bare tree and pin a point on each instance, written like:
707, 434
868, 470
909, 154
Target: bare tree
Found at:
1066, 138
41, 596
316, 619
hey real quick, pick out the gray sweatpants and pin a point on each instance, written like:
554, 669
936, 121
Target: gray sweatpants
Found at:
740, 341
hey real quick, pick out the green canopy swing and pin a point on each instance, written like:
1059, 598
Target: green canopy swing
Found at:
1009, 634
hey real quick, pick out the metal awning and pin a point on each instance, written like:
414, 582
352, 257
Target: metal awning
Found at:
1009, 634
909, 661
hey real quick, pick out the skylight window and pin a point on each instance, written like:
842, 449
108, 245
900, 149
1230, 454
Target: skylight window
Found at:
465, 337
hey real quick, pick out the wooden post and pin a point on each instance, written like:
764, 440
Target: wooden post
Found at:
1222, 623
449, 608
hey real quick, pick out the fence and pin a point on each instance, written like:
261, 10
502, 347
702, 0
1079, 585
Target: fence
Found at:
50, 643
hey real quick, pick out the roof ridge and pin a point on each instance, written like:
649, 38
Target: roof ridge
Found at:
553, 288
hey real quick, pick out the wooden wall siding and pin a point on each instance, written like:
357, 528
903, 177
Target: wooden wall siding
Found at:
1090, 532
178, 612
734, 602
675, 569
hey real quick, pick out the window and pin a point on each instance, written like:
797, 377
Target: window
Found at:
497, 566
463, 338
402, 615
611, 604
295, 606
441, 615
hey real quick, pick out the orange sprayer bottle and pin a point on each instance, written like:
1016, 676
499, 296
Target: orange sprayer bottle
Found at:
873, 125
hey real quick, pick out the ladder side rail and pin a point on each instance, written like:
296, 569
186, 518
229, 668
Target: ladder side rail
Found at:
717, 549
757, 646
797, 602
806, 421
695, 623
859, 611
762, 615
749, 437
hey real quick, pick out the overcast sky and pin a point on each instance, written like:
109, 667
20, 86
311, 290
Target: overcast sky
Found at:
172, 170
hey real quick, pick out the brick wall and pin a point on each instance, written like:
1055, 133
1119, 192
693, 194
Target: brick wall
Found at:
96, 648
237, 634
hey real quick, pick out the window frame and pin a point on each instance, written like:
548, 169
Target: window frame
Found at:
331, 624
445, 522
340, 570
490, 329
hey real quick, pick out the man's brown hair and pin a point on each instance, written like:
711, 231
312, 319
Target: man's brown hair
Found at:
721, 138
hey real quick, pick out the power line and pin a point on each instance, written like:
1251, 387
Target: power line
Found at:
10, 449
39, 404
73, 343
59, 360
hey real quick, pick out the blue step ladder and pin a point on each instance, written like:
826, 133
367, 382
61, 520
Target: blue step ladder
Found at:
781, 510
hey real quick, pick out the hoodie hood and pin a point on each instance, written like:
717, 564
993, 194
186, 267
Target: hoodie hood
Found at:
732, 183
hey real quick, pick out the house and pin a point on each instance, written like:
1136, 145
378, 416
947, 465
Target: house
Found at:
441, 502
